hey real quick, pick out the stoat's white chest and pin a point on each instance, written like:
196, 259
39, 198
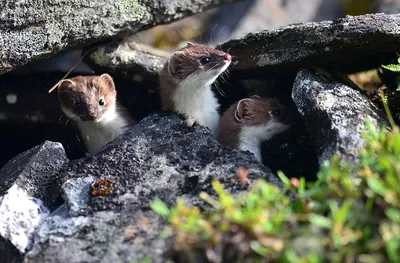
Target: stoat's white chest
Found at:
197, 102
97, 134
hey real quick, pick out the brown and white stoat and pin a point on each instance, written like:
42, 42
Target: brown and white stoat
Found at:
251, 121
91, 103
185, 84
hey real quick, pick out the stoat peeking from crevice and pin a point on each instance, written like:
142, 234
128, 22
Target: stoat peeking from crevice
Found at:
185, 84
251, 121
90, 102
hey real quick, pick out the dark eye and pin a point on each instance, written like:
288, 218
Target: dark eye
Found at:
205, 60
276, 112
101, 102
77, 104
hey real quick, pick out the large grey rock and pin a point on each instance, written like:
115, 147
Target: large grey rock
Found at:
160, 157
30, 30
35, 170
27, 188
348, 44
334, 113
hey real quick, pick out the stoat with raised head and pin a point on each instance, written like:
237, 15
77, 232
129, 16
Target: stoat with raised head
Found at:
185, 84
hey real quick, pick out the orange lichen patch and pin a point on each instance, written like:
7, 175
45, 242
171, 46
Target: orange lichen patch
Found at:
144, 224
241, 175
101, 187
129, 235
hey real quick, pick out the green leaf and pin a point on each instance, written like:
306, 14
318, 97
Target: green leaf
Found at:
393, 214
159, 207
320, 221
376, 185
284, 179
392, 67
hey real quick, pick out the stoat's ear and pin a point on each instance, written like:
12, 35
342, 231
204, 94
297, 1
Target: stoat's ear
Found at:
256, 97
107, 79
174, 63
241, 109
190, 44
66, 83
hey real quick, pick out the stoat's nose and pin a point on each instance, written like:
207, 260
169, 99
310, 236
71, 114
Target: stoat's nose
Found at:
227, 57
92, 117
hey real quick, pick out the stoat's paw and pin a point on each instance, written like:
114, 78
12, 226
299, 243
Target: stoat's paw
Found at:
190, 121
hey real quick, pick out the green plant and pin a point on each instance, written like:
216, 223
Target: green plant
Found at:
350, 214
393, 67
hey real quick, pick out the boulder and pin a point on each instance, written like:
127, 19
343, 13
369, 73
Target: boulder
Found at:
334, 112
32, 30
139, 63
349, 44
106, 215
27, 193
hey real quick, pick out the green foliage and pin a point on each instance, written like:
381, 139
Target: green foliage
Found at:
393, 67
350, 214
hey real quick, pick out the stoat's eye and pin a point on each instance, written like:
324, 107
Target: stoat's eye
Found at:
77, 104
205, 60
101, 102
276, 112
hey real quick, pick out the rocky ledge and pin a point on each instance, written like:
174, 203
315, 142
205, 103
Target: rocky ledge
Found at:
160, 157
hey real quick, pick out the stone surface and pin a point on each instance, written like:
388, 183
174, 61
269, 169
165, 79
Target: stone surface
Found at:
138, 63
28, 191
159, 157
20, 215
30, 30
347, 44
35, 170
334, 113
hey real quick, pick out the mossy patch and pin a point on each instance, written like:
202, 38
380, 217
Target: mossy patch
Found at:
131, 9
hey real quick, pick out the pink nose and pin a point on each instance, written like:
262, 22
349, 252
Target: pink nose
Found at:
228, 57
92, 117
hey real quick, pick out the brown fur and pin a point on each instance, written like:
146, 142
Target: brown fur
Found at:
88, 90
249, 112
181, 64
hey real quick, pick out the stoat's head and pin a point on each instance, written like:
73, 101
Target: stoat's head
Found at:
87, 98
196, 62
254, 119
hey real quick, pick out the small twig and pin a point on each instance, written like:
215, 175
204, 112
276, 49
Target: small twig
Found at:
386, 106
73, 67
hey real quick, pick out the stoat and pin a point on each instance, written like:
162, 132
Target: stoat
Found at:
251, 121
90, 102
185, 84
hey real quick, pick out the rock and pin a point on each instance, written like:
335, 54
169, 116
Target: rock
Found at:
27, 185
32, 30
349, 44
138, 63
20, 216
159, 157
334, 113
35, 170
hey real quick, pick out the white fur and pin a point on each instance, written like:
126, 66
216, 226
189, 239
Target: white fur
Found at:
194, 99
251, 137
96, 134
